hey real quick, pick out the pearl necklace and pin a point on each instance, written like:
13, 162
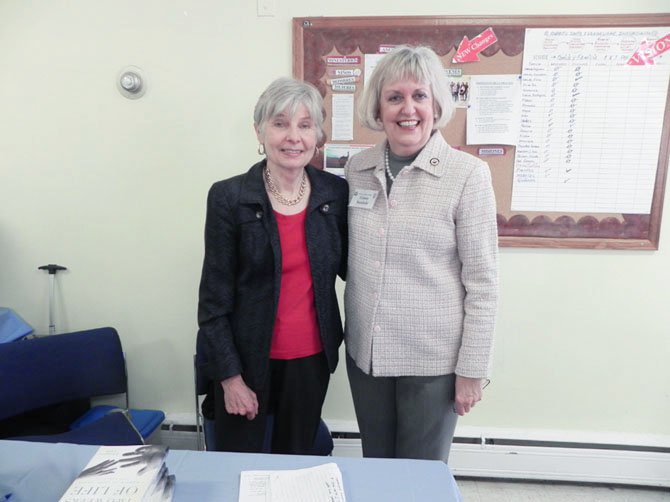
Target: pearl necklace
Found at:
276, 193
387, 166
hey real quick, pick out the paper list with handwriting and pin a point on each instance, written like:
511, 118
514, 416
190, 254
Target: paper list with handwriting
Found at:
322, 483
591, 124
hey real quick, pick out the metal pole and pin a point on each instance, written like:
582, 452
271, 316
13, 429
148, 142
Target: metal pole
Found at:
52, 324
198, 417
52, 269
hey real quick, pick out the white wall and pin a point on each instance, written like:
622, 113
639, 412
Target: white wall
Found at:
115, 190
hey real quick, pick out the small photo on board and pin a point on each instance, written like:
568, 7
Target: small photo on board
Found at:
335, 156
460, 90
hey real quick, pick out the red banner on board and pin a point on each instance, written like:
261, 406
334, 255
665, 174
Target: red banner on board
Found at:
468, 49
646, 53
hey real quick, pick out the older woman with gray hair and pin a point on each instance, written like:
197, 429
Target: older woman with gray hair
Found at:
421, 294
275, 240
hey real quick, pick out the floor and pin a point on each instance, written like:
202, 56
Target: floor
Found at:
515, 491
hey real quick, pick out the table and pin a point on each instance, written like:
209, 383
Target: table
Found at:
42, 472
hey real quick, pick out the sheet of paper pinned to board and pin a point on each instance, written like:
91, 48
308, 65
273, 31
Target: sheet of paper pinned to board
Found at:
343, 117
494, 110
592, 110
370, 63
313, 484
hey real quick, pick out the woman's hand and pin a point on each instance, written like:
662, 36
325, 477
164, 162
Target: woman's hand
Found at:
239, 399
468, 392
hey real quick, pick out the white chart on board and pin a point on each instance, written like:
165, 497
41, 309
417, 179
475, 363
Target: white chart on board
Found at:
590, 124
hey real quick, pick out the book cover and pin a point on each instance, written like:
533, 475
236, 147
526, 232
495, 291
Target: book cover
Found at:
163, 490
119, 474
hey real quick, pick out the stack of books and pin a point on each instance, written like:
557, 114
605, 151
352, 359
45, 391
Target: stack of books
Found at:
124, 474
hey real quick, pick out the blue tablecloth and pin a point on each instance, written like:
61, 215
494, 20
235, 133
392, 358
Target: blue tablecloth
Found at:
41, 472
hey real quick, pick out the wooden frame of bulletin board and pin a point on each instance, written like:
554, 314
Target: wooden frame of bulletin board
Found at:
564, 58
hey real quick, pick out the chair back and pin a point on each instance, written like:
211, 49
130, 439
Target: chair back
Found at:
42, 371
114, 429
12, 327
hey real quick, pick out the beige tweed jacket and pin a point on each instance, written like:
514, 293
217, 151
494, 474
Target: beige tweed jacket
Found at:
422, 281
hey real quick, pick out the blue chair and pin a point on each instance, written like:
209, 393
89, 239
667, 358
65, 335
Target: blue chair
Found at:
323, 442
113, 429
12, 327
145, 421
69, 368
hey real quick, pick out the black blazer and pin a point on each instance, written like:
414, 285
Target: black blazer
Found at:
241, 274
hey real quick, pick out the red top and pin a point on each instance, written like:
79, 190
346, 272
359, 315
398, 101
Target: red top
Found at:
296, 330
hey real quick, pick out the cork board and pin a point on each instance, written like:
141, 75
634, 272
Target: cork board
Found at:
322, 44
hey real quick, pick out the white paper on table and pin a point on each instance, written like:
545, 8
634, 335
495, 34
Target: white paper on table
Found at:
322, 483
343, 117
494, 113
255, 486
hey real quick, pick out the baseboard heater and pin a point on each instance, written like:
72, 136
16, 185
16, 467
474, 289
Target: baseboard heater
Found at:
528, 456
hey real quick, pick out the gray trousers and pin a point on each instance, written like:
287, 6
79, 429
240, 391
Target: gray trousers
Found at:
404, 417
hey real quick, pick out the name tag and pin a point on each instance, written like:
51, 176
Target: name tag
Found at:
364, 199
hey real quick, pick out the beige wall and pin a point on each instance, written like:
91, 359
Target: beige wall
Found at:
115, 190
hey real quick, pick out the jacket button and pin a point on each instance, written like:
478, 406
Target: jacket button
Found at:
325, 208
259, 215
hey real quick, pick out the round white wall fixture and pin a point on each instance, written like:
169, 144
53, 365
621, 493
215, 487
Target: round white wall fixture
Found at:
131, 82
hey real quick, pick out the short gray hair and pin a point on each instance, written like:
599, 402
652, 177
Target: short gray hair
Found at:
407, 62
286, 95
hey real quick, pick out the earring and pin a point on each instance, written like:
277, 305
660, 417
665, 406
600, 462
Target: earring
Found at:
261, 149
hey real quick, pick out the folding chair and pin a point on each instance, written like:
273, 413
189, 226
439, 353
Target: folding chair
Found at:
113, 429
71, 367
323, 442
12, 327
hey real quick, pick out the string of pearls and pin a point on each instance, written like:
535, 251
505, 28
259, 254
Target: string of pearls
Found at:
386, 164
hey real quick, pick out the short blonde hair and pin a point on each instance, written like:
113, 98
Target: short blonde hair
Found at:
286, 95
407, 62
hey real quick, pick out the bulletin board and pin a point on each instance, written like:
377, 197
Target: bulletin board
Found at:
588, 95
